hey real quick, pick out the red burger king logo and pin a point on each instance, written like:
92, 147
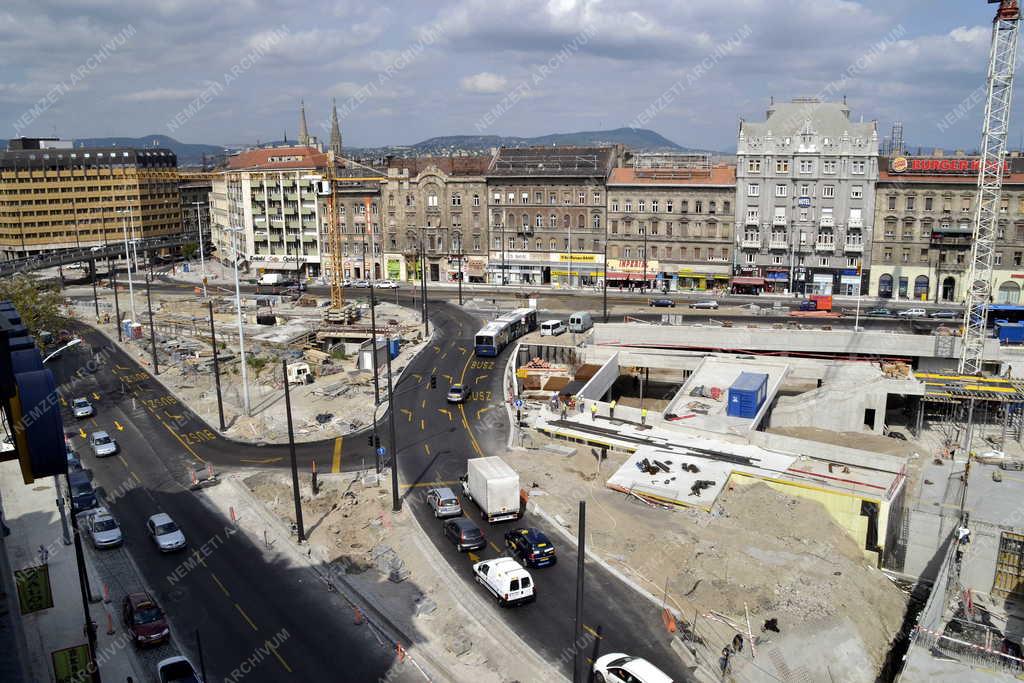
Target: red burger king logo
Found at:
899, 164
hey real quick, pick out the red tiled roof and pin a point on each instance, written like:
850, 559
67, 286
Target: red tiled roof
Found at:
718, 175
260, 159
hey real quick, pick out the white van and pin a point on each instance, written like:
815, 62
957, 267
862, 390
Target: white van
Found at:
552, 328
580, 321
506, 579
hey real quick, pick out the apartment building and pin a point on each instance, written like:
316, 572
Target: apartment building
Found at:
54, 196
273, 196
548, 214
805, 184
435, 218
924, 213
670, 222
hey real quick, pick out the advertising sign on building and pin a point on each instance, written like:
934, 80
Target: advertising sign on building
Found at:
967, 166
34, 593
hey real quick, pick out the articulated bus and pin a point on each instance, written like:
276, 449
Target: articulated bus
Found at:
496, 335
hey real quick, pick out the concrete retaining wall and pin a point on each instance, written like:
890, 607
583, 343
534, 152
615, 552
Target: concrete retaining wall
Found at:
602, 380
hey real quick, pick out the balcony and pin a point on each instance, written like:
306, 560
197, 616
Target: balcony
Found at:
825, 245
827, 222
778, 243
751, 242
855, 222
854, 246
779, 221
753, 220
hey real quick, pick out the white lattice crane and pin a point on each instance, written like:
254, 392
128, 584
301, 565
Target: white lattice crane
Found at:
995, 127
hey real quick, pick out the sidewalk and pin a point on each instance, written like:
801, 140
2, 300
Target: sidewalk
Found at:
32, 516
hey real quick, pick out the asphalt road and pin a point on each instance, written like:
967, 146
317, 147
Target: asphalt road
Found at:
162, 438
234, 597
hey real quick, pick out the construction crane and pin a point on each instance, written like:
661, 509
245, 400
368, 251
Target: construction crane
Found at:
1002, 58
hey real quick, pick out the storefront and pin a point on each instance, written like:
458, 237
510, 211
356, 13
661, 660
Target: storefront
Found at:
776, 281
630, 273
394, 267
710, 277
519, 267
747, 284
290, 266
821, 283
849, 283
576, 270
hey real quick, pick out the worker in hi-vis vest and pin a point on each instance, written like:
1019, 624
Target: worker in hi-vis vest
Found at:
593, 411
643, 416
611, 409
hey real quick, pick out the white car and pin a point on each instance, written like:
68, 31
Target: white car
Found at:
506, 580
177, 670
386, 284
82, 408
913, 313
616, 667
165, 533
102, 444
103, 529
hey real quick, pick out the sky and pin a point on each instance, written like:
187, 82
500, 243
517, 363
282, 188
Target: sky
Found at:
234, 72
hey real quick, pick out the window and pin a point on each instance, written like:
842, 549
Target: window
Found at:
856, 192
654, 227
497, 243
668, 205
629, 205
626, 253
582, 197
857, 166
750, 257
552, 199
579, 245
823, 261
698, 206
927, 203
597, 197
782, 165
654, 206
998, 258
552, 221
965, 205
496, 197
539, 244
726, 206
596, 222
696, 253
456, 199
753, 190
641, 205
753, 165
780, 190
806, 166
828, 191
526, 220
887, 254
910, 202
753, 215
615, 227
684, 204
1018, 258
923, 258
906, 256
525, 197
615, 205
776, 260
892, 202
476, 200
432, 198
828, 166
538, 221
641, 252
805, 190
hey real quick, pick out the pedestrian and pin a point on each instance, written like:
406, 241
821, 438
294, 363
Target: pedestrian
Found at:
737, 643
563, 411
611, 409
593, 411
643, 416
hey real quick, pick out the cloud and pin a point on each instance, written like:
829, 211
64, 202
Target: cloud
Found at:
484, 82
160, 95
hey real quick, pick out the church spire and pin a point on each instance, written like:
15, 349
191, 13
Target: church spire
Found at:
303, 130
335, 129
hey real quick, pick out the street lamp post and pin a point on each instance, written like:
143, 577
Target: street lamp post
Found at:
236, 235
604, 288
202, 257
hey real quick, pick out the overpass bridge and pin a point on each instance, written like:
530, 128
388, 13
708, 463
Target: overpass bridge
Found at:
90, 255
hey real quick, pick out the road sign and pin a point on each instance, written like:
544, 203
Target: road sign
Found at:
34, 592
518, 403
71, 664
381, 450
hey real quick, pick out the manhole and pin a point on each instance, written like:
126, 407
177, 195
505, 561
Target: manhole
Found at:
176, 594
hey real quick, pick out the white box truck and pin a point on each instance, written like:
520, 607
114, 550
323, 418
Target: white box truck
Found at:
493, 486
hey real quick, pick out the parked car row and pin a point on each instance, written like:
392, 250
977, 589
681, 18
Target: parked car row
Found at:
365, 284
882, 312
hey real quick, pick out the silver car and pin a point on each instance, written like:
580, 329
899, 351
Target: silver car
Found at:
103, 529
102, 444
165, 533
82, 408
444, 502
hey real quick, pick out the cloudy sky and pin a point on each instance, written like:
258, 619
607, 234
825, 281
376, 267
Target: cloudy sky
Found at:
233, 72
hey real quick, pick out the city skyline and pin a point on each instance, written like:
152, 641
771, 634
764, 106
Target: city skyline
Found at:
472, 68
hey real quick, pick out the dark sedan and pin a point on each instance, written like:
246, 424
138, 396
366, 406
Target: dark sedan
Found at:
464, 534
879, 313
531, 547
946, 315
663, 303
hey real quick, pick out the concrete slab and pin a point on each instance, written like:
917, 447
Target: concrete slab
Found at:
722, 372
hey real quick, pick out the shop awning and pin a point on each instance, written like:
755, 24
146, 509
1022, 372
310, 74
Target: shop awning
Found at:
631, 276
751, 281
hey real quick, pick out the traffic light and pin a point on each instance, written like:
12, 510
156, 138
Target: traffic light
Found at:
376, 441
433, 381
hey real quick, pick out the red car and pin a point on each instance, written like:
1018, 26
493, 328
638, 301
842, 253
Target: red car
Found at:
144, 619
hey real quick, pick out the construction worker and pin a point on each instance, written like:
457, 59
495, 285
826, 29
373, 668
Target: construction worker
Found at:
643, 416
593, 411
611, 409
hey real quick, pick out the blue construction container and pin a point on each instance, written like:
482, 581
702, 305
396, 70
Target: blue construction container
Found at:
394, 344
747, 394
1010, 333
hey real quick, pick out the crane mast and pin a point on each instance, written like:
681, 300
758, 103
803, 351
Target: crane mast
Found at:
995, 127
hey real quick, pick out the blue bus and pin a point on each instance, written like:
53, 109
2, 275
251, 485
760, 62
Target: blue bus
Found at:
491, 339
522, 321
1009, 312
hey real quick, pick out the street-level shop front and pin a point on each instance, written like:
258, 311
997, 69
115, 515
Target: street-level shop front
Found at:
631, 273
544, 268
468, 268
699, 278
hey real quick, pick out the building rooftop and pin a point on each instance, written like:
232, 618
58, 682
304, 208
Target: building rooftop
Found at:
717, 176
540, 162
91, 157
278, 158
452, 166
826, 118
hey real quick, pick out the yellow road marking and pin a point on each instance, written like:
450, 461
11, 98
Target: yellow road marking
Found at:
473, 557
63, 402
462, 350
246, 616
173, 416
264, 461
93, 422
449, 378
118, 367
434, 371
426, 447
592, 632
482, 411
119, 426
408, 413
444, 355
419, 377
445, 411
81, 432
279, 657
496, 548
182, 441
220, 584
123, 461
423, 424
426, 484
336, 459
462, 411
437, 349
423, 403
95, 396
480, 377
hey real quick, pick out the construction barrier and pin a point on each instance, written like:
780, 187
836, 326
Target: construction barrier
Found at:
400, 652
669, 620
357, 616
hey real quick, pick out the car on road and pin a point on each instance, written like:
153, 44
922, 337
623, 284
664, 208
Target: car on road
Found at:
506, 580
81, 492
102, 444
360, 284
144, 620
464, 534
345, 283
165, 533
662, 303
531, 547
879, 313
913, 313
946, 315
103, 529
81, 407
457, 393
444, 502
617, 667
177, 670
712, 305
386, 284
74, 462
